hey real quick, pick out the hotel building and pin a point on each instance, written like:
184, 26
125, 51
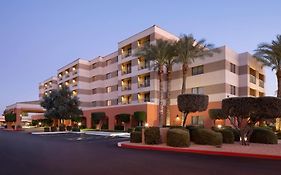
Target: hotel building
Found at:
120, 82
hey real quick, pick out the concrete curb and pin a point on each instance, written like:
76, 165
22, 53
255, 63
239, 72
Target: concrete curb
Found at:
194, 151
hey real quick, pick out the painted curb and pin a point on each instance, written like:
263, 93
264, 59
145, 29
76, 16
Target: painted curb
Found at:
194, 151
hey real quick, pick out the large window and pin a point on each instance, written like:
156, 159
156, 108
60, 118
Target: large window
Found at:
197, 90
198, 70
108, 76
197, 120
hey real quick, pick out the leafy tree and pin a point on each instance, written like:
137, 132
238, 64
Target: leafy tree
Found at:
10, 117
245, 112
158, 53
215, 114
61, 104
192, 103
188, 50
270, 55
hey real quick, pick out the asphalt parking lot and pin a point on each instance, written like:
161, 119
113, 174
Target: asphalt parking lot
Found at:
26, 154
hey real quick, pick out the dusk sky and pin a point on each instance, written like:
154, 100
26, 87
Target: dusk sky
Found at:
37, 37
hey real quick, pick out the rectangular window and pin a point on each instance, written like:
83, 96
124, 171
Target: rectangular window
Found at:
197, 120
94, 78
232, 68
147, 97
198, 70
197, 90
94, 65
108, 89
108, 76
107, 62
94, 91
232, 90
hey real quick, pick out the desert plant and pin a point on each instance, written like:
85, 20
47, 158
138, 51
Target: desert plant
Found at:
207, 137
178, 138
68, 128
192, 129
62, 127
152, 135
54, 129
262, 135
136, 137
46, 129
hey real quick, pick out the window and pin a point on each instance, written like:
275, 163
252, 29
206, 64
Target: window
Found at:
147, 97
94, 78
108, 89
198, 70
108, 102
197, 90
94, 103
107, 62
232, 68
94, 91
232, 90
94, 65
108, 76
197, 120
252, 92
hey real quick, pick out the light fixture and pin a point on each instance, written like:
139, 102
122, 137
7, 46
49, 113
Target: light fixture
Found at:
219, 126
146, 125
60, 75
40, 123
177, 118
66, 72
73, 81
74, 68
79, 124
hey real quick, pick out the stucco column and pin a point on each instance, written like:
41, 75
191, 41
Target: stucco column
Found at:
87, 115
18, 118
111, 122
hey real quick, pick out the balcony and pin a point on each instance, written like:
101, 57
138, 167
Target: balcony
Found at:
143, 64
144, 84
144, 41
143, 97
126, 68
252, 79
126, 84
144, 81
126, 99
261, 83
126, 51
126, 88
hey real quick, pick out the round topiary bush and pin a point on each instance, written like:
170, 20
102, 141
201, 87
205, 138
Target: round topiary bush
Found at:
53, 129
178, 138
262, 135
192, 133
135, 137
46, 129
204, 136
152, 135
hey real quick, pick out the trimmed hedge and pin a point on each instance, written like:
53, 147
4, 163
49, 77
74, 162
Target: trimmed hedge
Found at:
10, 117
227, 136
135, 137
68, 128
62, 128
262, 135
192, 129
139, 128
178, 138
152, 135
279, 135
204, 136
75, 129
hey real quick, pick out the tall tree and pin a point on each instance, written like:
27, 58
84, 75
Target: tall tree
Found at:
188, 49
158, 53
270, 55
169, 62
61, 104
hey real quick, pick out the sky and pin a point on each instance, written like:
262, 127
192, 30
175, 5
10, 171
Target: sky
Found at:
37, 37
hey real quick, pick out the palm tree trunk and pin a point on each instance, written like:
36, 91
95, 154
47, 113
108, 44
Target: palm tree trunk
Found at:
278, 76
168, 96
184, 75
160, 74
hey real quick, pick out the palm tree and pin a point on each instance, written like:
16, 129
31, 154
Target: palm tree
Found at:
158, 53
270, 55
188, 49
169, 62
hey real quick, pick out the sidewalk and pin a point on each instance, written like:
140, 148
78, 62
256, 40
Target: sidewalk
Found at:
263, 151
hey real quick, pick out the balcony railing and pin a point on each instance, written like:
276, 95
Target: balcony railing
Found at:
261, 83
253, 79
125, 88
127, 54
127, 71
145, 84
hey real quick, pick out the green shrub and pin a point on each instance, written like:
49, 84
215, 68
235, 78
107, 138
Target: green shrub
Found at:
207, 137
54, 129
62, 127
10, 117
235, 132
46, 129
135, 137
178, 138
83, 127
75, 129
262, 135
68, 128
227, 136
152, 135
119, 127
192, 129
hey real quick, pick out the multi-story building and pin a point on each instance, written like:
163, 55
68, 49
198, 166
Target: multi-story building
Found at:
124, 83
